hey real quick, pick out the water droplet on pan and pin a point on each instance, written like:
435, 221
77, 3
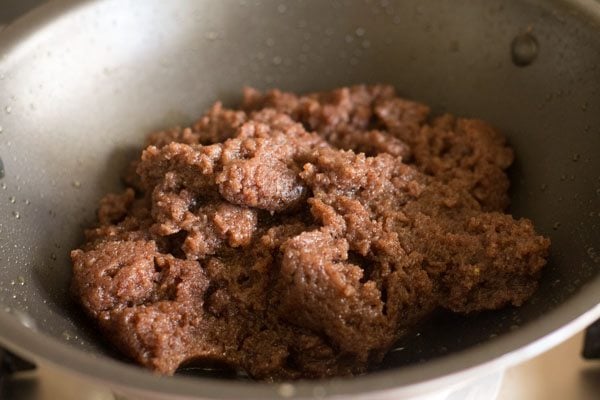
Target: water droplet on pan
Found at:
524, 49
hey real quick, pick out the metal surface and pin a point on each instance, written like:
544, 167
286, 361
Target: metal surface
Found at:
591, 347
82, 83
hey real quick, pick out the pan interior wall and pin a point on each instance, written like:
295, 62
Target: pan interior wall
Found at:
78, 95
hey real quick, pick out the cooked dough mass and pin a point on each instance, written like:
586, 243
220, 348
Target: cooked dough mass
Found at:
301, 236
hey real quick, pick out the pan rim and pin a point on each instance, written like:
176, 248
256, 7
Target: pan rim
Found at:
477, 361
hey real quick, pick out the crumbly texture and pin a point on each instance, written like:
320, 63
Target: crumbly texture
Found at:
301, 236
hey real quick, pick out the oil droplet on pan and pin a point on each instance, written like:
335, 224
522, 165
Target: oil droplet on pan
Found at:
524, 49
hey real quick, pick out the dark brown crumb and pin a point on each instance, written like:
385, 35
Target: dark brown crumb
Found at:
301, 236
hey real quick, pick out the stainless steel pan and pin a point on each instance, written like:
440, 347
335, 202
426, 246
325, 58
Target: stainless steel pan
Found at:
81, 83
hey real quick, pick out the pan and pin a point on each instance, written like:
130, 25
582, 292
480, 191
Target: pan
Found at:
81, 83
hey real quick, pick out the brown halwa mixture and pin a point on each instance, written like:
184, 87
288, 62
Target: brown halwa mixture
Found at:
301, 236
